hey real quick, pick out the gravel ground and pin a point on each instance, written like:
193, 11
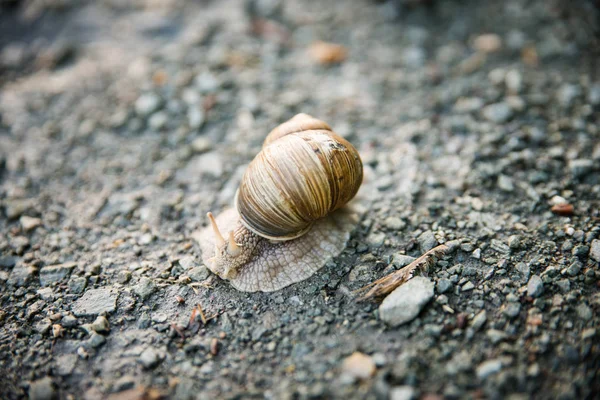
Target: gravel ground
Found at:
121, 126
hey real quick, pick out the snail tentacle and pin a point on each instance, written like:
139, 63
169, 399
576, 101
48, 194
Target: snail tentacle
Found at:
233, 249
219, 241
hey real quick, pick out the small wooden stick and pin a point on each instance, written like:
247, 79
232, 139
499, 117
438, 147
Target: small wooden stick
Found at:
202, 316
388, 283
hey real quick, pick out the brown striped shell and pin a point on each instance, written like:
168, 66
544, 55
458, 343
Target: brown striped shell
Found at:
303, 172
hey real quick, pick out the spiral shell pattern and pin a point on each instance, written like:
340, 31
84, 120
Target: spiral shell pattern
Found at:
304, 172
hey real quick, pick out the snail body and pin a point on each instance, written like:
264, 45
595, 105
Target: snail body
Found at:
289, 217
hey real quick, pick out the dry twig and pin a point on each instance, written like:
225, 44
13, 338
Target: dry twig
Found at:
202, 316
388, 283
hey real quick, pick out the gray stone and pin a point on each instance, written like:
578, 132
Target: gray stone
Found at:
149, 358
505, 183
147, 104
574, 268
500, 247
469, 270
584, 312
467, 286
198, 274
159, 317
564, 285
14, 208
124, 383
594, 94
495, 335
514, 81
497, 112
95, 301
468, 104
77, 284
406, 302
514, 242
55, 273
195, 117
188, 263
488, 368
588, 333
512, 310
145, 288
580, 250
427, 241
46, 294
158, 120
96, 340
146, 239
19, 243
123, 276
201, 145
535, 286
479, 320
394, 223
523, 269
65, 364
8, 261
567, 93
210, 164
42, 389
144, 321
595, 250
21, 275
414, 57
376, 239
401, 260
443, 285
206, 82
101, 325
42, 326
360, 272
402, 393
581, 167
29, 223
69, 321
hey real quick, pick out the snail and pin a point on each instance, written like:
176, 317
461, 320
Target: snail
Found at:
291, 212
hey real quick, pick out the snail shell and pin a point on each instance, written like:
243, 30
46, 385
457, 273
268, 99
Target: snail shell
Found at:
304, 172
289, 217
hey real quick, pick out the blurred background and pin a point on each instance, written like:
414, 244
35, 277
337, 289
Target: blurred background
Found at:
123, 122
82, 81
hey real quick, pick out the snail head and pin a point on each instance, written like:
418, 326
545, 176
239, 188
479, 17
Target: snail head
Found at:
229, 255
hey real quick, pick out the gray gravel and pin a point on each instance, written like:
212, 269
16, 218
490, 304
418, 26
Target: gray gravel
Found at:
476, 128
406, 302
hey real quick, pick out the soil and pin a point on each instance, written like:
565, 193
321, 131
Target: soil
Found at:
122, 124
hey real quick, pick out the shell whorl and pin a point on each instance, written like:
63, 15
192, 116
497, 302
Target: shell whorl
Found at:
304, 172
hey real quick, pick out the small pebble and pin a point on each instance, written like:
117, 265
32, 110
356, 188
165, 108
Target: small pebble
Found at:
479, 320
535, 286
498, 112
149, 358
158, 120
42, 389
96, 340
512, 310
359, 366
487, 43
402, 393
443, 285
29, 223
488, 368
406, 302
101, 325
147, 103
